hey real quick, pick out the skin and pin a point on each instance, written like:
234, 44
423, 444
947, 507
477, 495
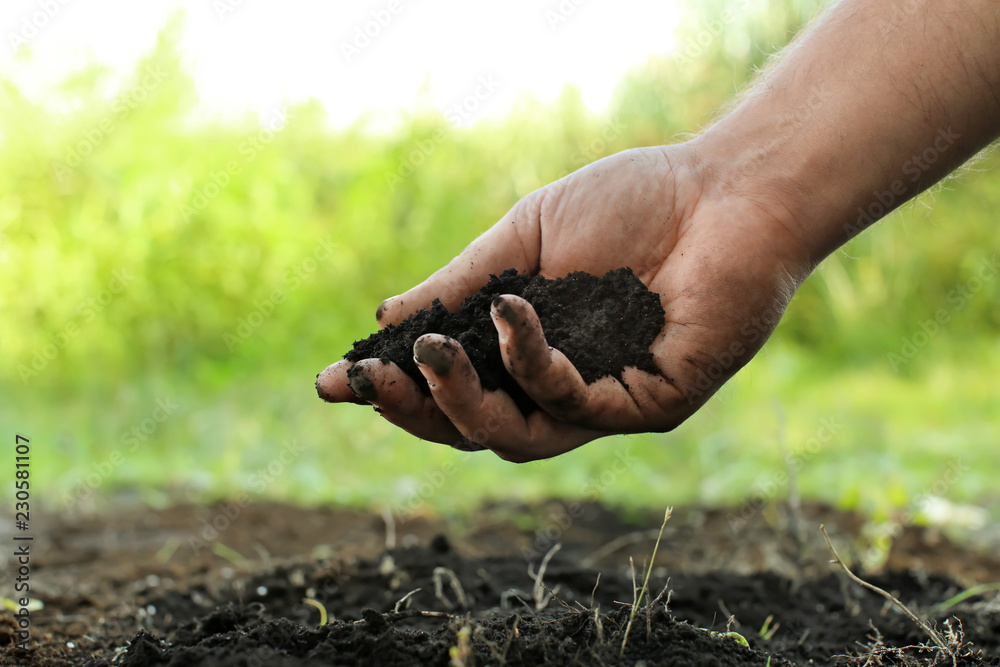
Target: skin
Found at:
872, 104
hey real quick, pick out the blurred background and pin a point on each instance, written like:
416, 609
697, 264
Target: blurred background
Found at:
202, 204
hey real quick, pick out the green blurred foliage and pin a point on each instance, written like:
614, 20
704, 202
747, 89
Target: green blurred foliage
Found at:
150, 261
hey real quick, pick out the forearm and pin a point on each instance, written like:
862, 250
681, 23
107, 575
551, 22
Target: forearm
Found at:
874, 103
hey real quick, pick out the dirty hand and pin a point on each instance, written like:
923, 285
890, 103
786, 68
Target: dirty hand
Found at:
724, 227
723, 266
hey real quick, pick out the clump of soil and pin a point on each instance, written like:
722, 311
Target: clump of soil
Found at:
601, 324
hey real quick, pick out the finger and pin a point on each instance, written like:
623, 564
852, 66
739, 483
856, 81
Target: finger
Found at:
508, 244
397, 397
332, 387
554, 383
490, 418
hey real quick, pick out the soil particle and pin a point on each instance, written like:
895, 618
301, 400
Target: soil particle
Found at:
602, 325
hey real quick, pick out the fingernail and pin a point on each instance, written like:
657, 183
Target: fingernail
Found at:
381, 308
322, 393
501, 312
361, 384
322, 386
503, 328
438, 358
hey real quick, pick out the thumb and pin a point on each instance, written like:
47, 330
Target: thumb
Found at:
501, 247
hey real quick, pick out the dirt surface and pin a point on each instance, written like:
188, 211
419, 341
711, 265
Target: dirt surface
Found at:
246, 584
601, 324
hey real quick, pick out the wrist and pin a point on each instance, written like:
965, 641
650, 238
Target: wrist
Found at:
746, 169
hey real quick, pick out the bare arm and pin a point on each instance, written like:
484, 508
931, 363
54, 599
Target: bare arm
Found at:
874, 103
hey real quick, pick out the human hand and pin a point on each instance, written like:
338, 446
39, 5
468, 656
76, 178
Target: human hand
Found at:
724, 261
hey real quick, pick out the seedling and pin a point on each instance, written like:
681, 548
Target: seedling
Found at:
645, 583
735, 636
230, 554
767, 630
319, 605
461, 653
965, 595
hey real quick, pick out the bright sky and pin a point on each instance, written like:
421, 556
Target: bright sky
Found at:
258, 54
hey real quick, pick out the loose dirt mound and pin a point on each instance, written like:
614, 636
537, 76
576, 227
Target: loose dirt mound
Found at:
476, 602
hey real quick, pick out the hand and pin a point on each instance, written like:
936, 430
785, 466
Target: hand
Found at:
724, 262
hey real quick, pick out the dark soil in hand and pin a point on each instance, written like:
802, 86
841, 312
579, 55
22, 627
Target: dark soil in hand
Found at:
601, 324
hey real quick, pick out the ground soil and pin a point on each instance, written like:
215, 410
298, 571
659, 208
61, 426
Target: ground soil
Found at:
164, 587
602, 324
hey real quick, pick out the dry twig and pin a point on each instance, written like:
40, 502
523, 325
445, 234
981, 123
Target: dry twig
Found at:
456, 585
931, 632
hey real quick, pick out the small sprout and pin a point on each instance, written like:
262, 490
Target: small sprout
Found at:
230, 554
734, 636
645, 584
318, 605
965, 595
168, 549
767, 630
461, 653
33, 604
